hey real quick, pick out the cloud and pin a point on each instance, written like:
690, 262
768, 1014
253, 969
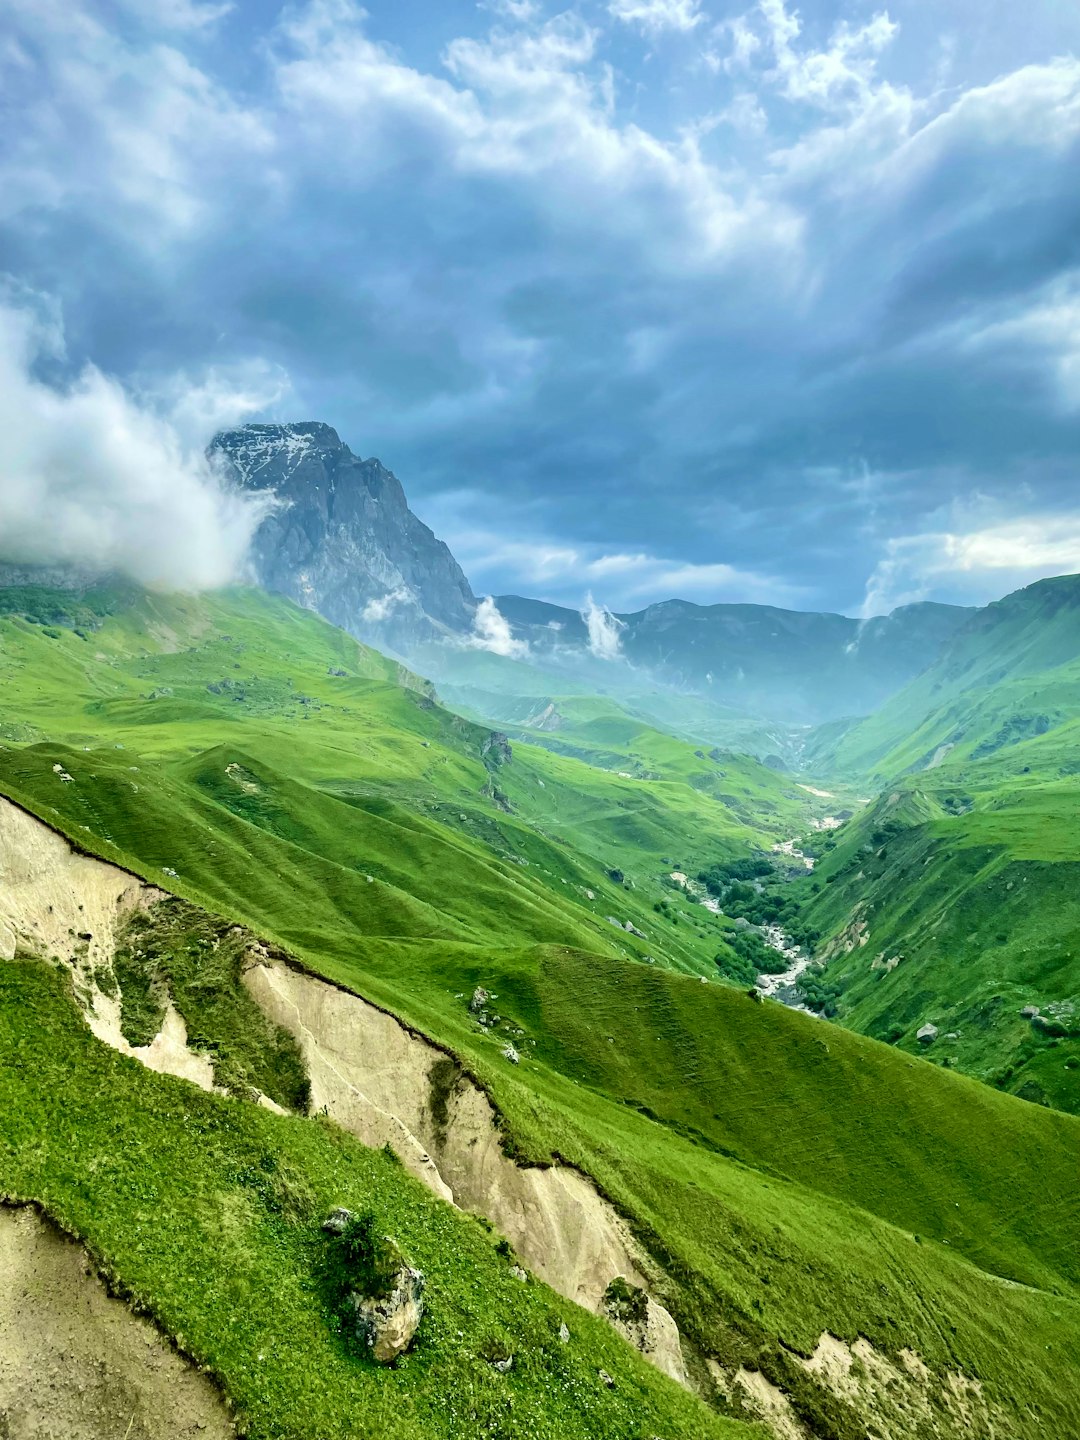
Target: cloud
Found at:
644, 307
383, 606
605, 630
655, 16
491, 631
977, 565
95, 480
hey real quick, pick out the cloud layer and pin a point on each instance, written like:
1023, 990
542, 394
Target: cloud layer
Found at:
742, 296
92, 478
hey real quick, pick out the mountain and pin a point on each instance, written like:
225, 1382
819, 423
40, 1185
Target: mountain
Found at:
1007, 674
281, 934
343, 540
785, 665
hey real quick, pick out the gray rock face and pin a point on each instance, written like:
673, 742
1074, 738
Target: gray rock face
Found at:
386, 1326
343, 540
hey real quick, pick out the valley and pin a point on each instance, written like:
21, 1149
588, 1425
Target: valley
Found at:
794, 1241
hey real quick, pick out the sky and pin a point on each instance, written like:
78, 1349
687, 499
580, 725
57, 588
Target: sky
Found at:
642, 298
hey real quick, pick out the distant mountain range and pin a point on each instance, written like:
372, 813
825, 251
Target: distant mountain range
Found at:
346, 544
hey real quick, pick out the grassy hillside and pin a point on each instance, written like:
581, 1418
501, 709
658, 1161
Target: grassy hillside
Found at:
1010, 673
952, 900
791, 1178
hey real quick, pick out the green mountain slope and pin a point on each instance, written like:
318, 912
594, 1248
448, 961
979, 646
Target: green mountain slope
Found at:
788, 1178
950, 902
1008, 674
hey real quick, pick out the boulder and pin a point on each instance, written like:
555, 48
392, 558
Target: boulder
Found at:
337, 1221
926, 1034
385, 1325
480, 998
1029, 1012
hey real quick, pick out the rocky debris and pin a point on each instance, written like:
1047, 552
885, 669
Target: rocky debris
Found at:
519, 1274
1029, 1012
509, 1053
926, 1034
333, 670
480, 998
386, 1325
500, 797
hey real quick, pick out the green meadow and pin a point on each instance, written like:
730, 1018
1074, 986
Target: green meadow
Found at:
790, 1177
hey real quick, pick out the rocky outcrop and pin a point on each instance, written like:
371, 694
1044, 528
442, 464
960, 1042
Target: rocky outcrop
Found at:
385, 1326
342, 539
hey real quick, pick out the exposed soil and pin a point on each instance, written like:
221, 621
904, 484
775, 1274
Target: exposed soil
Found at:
76, 1364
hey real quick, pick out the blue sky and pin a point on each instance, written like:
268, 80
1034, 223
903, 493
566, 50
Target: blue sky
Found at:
732, 301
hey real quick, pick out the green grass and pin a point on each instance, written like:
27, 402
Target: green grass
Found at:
790, 1176
206, 1212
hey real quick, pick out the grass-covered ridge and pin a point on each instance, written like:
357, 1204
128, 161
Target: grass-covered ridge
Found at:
791, 1178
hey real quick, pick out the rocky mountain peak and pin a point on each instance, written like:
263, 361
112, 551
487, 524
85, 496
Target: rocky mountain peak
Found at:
342, 539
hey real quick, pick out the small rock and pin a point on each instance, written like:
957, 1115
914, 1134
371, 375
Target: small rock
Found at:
333, 670
953, 1035
564, 1333
927, 1034
504, 1365
480, 998
509, 1053
590, 895
519, 1274
606, 1379
337, 1220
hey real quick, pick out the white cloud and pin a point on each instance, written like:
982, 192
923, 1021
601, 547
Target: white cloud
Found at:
199, 405
841, 75
977, 564
384, 606
94, 479
531, 107
491, 631
655, 16
605, 630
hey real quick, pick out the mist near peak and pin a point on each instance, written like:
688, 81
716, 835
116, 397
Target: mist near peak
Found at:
605, 630
95, 478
